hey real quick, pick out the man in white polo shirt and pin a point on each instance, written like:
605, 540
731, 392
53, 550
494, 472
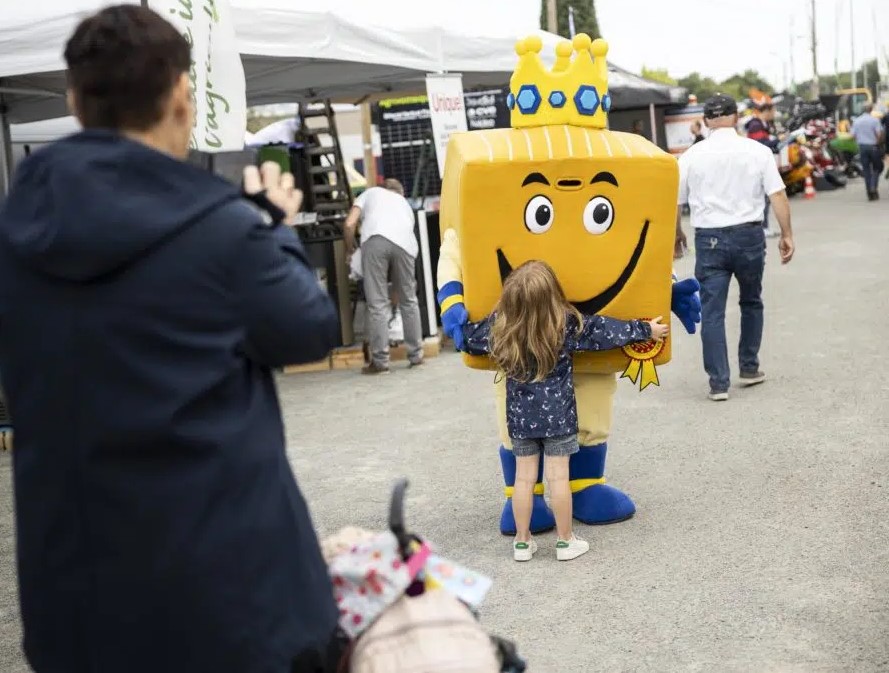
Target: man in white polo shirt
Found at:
724, 180
389, 249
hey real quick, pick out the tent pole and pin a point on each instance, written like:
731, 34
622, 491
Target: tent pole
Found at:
370, 162
5, 151
653, 117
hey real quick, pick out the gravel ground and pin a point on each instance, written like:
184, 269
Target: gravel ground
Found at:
761, 543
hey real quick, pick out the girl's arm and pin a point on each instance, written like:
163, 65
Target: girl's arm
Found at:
600, 333
477, 337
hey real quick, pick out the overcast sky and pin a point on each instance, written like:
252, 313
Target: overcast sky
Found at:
722, 37
715, 37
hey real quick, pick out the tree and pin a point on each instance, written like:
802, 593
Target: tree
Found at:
585, 20
702, 87
830, 83
658, 75
738, 86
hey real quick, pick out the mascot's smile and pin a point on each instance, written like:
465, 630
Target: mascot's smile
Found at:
595, 304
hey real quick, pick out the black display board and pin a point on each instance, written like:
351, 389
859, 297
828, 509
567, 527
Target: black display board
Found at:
406, 135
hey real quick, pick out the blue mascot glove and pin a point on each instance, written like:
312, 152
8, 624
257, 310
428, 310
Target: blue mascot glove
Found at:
686, 303
453, 313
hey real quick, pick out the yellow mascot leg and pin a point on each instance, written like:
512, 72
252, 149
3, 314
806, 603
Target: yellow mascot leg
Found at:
595, 502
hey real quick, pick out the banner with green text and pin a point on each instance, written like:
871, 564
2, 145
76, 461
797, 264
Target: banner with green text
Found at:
217, 76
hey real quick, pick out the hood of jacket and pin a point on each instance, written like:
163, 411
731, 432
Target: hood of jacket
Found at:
94, 202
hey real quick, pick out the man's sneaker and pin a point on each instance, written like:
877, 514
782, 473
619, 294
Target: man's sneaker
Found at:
416, 363
567, 550
748, 379
718, 396
524, 551
374, 368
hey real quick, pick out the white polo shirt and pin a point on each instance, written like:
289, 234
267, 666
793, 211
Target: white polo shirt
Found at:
388, 214
726, 178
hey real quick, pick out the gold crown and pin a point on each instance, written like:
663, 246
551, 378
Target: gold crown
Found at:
574, 92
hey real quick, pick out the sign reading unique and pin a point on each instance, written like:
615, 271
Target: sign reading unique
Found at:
447, 109
216, 73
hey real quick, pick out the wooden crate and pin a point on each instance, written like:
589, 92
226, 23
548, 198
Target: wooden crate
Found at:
431, 349
348, 357
319, 366
353, 357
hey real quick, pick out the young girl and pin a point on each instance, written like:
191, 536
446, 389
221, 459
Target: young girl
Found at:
531, 335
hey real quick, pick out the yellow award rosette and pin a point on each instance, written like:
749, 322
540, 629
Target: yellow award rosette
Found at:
641, 365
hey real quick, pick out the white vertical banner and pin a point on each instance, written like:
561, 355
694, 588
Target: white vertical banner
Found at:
445, 93
217, 75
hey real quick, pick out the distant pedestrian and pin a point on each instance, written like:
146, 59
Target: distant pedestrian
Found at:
725, 181
868, 133
532, 335
639, 128
885, 121
697, 131
389, 249
760, 127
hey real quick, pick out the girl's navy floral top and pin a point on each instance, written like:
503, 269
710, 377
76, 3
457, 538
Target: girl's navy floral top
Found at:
547, 408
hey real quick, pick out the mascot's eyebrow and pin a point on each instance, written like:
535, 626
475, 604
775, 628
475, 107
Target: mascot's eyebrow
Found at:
604, 176
535, 177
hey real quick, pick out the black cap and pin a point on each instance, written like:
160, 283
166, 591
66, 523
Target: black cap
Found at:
720, 105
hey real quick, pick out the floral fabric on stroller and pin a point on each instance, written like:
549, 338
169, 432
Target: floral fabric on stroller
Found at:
405, 609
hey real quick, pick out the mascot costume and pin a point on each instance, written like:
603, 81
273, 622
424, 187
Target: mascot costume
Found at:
596, 205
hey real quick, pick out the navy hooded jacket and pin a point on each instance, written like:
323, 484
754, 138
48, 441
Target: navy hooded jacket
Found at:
143, 306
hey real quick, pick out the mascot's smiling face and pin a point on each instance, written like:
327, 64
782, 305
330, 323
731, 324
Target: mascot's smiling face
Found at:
598, 206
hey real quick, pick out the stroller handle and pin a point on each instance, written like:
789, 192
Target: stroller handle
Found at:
396, 517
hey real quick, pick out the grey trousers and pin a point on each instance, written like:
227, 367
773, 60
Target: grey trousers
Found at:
379, 257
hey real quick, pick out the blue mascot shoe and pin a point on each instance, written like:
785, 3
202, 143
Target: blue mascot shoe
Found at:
595, 502
542, 518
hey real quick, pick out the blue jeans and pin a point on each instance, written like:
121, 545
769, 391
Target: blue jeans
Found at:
738, 251
871, 164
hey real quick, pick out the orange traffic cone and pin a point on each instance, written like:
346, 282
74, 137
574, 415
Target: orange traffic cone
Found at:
810, 188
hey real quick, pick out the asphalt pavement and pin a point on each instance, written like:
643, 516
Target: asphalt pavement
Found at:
761, 542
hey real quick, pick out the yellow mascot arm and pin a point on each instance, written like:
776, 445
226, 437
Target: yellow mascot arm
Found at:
450, 272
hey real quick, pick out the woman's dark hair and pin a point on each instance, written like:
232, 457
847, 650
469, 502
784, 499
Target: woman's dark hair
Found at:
122, 65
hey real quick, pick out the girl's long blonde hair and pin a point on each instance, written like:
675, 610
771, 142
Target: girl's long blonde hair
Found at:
529, 326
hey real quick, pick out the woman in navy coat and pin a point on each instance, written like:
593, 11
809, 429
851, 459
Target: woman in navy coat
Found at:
143, 308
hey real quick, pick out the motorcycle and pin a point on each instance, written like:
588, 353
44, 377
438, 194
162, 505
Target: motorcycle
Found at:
835, 154
794, 164
845, 150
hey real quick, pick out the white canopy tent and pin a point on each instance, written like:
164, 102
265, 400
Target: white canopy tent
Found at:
292, 50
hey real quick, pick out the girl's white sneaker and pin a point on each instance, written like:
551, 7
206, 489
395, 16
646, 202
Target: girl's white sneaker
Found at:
568, 550
524, 551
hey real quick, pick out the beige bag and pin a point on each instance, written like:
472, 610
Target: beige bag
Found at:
432, 633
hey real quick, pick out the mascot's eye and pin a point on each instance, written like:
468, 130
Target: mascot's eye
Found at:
598, 216
539, 214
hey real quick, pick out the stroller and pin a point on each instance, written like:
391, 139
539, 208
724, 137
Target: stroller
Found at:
404, 609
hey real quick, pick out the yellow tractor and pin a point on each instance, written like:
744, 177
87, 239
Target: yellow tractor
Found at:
850, 104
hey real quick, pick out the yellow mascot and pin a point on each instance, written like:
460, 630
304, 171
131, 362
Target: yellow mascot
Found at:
596, 205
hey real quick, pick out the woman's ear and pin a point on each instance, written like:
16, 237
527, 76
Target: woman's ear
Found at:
71, 101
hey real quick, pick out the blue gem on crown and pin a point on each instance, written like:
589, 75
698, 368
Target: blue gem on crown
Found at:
557, 99
528, 99
606, 102
586, 100
510, 101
